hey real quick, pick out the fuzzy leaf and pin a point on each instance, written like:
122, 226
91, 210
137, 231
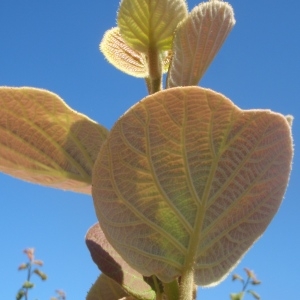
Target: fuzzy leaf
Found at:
197, 41
186, 176
112, 264
105, 289
124, 58
150, 24
119, 54
44, 141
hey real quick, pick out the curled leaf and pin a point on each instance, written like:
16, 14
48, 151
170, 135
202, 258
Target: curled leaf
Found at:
150, 24
112, 264
42, 140
105, 289
187, 180
197, 41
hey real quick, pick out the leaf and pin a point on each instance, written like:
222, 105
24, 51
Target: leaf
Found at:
254, 294
197, 41
238, 296
20, 295
112, 264
124, 58
44, 141
27, 285
41, 274
105, 289
187, 180
150, 24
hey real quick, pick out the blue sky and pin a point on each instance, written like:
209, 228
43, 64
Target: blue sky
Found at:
54, 45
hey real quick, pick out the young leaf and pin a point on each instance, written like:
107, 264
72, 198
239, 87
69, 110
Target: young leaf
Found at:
41, 274
150, 24
238, 296
254, 294
42, 140
188, 181
197, 40
105, 289
119, 54
112, 264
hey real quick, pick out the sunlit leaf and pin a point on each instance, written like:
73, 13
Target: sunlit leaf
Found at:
124, 58
186, 176
105, 289
112, 264
197, 40
42, 140
150, 24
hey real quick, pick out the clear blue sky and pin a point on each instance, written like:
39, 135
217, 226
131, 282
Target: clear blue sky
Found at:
54, 45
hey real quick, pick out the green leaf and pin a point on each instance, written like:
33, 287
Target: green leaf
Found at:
20, 295
105, 289
188, 181
150, 24
28, 285
238, 296
44, 141
254, 294
41, 274
112, 265
197, 41
119, 54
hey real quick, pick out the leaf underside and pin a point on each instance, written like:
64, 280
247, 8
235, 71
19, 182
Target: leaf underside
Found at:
197, 40
105, 289
111, 263
124, 58
150, 24
185, 175
44, 141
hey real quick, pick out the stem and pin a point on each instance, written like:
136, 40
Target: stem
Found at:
28, 280
246, 283
187, 285
154, 81
171, 289
157, 288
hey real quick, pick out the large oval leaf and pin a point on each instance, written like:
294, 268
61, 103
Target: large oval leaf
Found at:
42, 140
112, 264
148, 24
197, 41
186, 176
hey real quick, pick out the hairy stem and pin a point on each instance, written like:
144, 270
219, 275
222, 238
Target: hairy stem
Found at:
154, 82
186, 289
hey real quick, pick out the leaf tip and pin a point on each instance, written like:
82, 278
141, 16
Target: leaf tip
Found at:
289, 119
